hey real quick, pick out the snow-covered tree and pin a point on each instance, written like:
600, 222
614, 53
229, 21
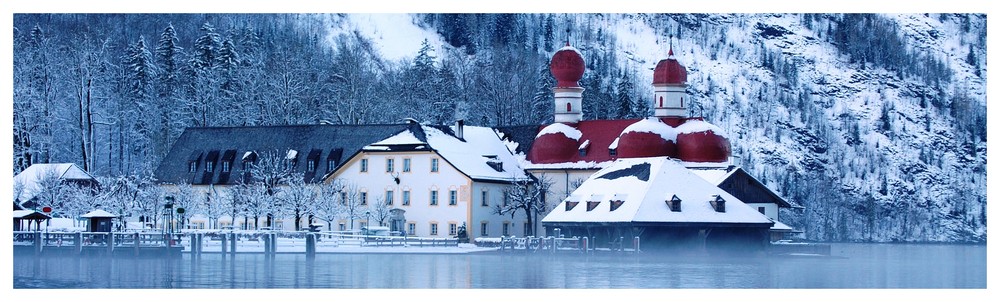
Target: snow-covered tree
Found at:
526, 196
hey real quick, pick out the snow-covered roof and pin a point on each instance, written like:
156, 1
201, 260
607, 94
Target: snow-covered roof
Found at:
778, 226
695, 125
566, 130
98, 214
580, 165
652, 125
402, 138
472, 155
467, 156
715, 175
31, 176
291, 154
648, 183
26, 213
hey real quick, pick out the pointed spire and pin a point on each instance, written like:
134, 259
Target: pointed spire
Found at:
670, 52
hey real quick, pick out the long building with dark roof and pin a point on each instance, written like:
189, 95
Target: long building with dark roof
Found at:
216, 155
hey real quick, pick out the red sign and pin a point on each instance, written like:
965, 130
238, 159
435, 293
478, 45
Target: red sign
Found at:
46, 209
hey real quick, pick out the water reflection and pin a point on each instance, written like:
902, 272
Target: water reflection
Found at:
855, 266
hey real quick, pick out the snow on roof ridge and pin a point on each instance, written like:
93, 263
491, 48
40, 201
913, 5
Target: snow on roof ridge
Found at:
695, 125
652, 125
570, 47
564, 129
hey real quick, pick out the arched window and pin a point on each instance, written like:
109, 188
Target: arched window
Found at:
569, 107
661, 101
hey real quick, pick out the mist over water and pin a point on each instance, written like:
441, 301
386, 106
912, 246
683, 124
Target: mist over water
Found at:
852, 266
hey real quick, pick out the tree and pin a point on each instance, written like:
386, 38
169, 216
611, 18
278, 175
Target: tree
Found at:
298, 196
328, 206
525, 195
379, 211
271, 170
626, 108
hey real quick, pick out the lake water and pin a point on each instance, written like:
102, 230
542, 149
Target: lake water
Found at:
853, 266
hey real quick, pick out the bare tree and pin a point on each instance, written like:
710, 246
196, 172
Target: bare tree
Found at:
298, 196
254, 199
271, 170
379, 211
328, 205
526, 195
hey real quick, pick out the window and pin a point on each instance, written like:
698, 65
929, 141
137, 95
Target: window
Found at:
434, 229
483, 230
342, 226
208, 166
364, 165
434, 198
485, 201
452, 229
682, 102
661, 101
310, 166
364, 198
225, 167
193, 167
406, 165
330, 164
613, 152
527, 229
452, 197
364, 224
760, 209
569, 107
406, 198
434, 164
389, 164
388, 197
343, 198
411, 229
506, 228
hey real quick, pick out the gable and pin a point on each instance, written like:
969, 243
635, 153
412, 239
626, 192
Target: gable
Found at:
750, 190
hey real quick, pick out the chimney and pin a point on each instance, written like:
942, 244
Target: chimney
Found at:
460, 129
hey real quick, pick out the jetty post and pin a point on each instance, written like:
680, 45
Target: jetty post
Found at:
78, 242
232, 244
310, 246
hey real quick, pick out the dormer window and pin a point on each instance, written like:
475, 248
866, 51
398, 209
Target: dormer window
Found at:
718, 204
192, 166
227, 160
583, 147
209, 166
310, 166
674, 203
494, 162
312, 160
330, 164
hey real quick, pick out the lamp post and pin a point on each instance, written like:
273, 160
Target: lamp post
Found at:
169, 206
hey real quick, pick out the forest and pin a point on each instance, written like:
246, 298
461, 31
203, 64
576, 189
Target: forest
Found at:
889, 144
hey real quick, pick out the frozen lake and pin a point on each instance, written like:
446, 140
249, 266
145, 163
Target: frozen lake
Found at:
853, 266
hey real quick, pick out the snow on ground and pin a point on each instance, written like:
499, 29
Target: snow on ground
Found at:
395, 35
298, 246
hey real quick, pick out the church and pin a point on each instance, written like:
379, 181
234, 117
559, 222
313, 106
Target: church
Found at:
669, 178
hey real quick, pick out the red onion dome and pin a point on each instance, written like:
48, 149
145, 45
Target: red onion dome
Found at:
700, 141
669, 71
556, 143
567, 66
648, 137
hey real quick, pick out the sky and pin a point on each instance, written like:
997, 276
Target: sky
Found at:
512, 6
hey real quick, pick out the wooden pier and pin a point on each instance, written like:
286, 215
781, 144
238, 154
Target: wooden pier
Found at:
98, 243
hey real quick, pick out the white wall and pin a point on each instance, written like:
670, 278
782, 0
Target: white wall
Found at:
420, 181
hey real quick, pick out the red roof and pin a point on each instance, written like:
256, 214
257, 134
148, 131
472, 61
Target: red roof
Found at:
669, 71
567, 67
600, 133
556, 148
